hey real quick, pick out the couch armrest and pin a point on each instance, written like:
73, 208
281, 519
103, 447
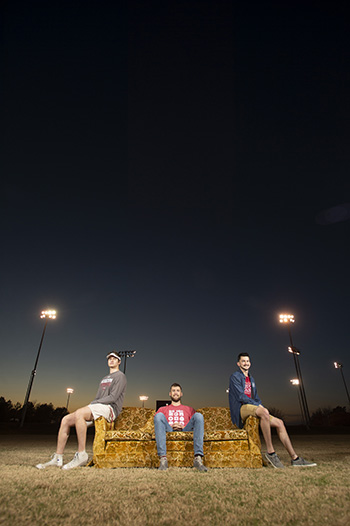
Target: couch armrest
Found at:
251, 425
101, 426
148, 427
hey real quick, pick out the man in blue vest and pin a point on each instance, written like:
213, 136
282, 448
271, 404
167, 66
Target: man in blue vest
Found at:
244, 401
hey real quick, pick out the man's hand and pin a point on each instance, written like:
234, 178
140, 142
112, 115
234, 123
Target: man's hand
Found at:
177, 427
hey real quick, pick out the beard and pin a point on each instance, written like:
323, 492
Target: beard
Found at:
175, 399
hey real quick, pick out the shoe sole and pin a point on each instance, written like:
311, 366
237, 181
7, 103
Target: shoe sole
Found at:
201, 468
41, 466
73, 467
273, 465
304, 465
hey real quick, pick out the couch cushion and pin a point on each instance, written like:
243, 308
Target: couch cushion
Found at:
220, 434
178, 435
226, 434
127, 434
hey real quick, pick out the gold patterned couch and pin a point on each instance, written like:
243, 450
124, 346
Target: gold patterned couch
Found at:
130, 441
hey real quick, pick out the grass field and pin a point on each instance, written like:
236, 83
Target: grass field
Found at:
90, 496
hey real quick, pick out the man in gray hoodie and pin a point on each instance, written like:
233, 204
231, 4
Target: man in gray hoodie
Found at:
108, 403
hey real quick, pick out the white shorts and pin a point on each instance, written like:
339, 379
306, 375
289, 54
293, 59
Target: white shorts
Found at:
98, 410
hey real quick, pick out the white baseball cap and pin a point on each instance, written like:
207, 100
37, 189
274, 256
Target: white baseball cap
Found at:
115, 356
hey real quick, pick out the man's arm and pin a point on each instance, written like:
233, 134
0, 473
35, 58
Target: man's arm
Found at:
237, 390
257, 400
164, 411
179, 427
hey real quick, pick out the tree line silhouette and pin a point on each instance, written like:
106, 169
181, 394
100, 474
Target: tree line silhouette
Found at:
36, 413
48, 414
323, 416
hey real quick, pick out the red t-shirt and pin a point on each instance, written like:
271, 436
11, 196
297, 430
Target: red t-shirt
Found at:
248, 387
179, 414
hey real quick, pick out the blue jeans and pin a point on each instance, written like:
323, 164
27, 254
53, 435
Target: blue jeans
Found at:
162, 427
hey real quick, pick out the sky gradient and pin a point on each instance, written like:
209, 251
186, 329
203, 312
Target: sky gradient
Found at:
176, 174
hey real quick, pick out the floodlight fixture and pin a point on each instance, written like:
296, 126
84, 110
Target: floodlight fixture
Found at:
294, 381
338, 365
125, 355
128, 354
48, 314
143, 399
294, 350
69, 392
287, 318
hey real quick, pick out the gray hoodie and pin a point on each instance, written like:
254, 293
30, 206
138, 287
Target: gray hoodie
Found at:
111, 391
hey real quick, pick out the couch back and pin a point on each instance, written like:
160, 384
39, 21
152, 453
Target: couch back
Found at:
216, 418
133, 418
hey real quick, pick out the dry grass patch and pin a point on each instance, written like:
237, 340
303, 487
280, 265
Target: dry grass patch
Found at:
147, 497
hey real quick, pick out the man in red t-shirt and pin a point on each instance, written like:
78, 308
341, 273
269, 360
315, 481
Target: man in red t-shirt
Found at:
178, 417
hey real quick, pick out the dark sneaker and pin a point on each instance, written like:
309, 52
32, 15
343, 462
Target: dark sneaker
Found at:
55, 461
302, 463
198, 464
80, 459
274, 460
163, 466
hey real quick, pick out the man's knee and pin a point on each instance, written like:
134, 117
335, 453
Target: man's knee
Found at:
81, 412
278, 423
263, 413
198, 418
66, 422
158, 417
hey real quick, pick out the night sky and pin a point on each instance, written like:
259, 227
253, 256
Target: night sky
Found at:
175, 175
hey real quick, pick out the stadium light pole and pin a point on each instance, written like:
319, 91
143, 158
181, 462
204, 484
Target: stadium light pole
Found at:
143, 399
69, 392
296, 382
296, 354
125, 355
338, 365
47, 315
288, 319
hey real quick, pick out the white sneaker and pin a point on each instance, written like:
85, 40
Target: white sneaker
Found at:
56, 460
80, 459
